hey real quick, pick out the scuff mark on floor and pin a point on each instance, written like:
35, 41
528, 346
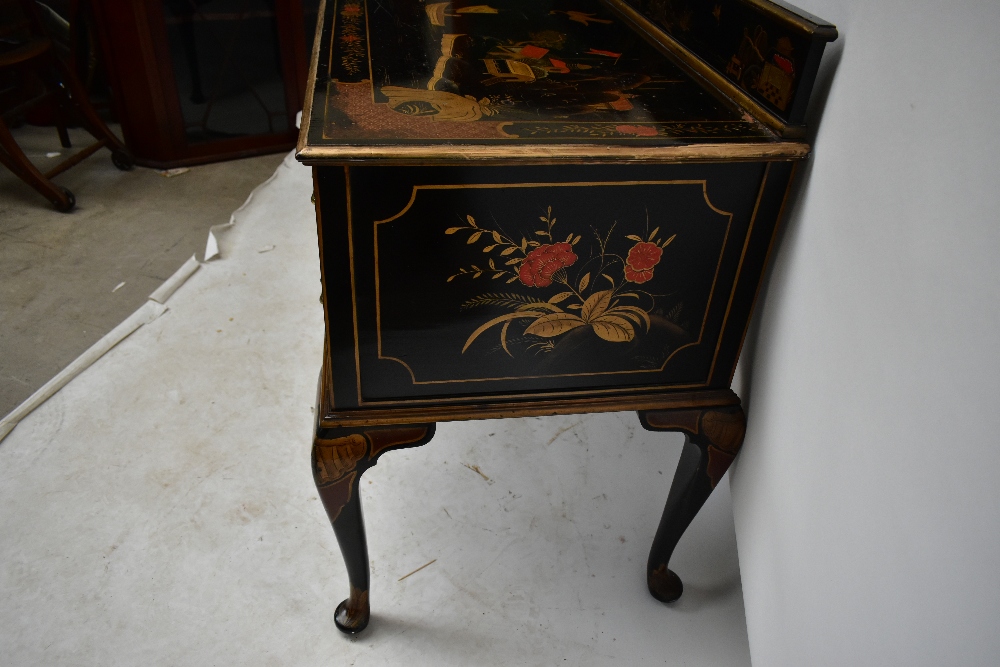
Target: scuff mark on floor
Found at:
561, 431
475, 469
417, 570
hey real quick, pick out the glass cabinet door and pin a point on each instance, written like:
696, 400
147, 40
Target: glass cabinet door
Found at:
227, 63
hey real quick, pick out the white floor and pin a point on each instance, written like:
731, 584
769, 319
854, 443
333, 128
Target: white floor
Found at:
159, 510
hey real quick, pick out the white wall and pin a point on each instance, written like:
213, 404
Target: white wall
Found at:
867, 499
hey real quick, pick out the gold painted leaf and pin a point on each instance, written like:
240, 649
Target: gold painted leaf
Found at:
540, 305
575, 241
452, 230
471, 220
609, 278
450, 278
478, 273
497, 275
495, 320
562, 296
633, 237
507, 251
631, 317
488, 248
503, 337
542, 233
573, 306
634, 310
474, 237
511, 262
667, 242
496, 237
613, 329
569, 238
524, 243
584, 281
549, 326
596, 304
653, 235
492, 265
512, 280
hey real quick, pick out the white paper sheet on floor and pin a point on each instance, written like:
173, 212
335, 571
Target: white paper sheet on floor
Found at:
159, 509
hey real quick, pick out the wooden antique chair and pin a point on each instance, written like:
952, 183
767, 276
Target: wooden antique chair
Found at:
32, 74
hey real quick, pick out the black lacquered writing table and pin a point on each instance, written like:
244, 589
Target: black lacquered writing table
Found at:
543, 207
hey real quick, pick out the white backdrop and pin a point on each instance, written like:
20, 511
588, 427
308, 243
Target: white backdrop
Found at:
866, 498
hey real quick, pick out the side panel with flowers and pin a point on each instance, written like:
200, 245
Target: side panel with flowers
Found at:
500, 282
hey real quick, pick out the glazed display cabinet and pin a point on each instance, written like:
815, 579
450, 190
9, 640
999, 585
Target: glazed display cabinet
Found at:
204, 80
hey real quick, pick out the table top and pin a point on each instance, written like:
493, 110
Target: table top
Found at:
534, 80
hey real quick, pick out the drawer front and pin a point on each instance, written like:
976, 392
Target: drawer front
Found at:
524, 281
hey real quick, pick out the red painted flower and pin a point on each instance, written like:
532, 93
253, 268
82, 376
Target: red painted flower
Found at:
538, 267
641, 260
637, 130
634, 276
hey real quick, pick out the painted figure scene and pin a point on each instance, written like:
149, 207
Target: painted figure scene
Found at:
509, 69
761, 55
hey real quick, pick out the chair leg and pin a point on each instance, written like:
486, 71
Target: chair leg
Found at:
120, 155
63, 133
62, 120
63, 115
14, 159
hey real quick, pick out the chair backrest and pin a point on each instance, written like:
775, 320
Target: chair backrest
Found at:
20, 25
20, 21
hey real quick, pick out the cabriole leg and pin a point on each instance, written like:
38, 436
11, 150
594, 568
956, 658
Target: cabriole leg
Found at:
340, 457
712, 438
